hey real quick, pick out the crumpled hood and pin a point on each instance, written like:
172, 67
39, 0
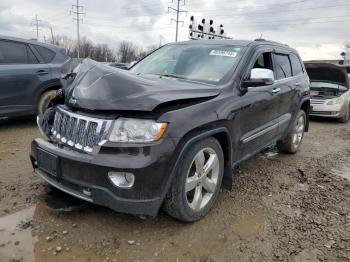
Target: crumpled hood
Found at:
99, 87
325, 72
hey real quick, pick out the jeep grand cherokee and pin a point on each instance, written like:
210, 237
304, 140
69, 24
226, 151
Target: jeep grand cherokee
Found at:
169, 131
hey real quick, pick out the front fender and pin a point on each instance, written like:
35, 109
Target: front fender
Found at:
189, 140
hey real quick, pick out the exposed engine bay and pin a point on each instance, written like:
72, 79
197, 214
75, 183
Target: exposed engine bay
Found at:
327, 80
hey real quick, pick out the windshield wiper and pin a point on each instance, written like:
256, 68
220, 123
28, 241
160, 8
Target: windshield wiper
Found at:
174, 76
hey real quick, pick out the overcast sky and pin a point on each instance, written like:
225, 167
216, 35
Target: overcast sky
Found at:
317, 28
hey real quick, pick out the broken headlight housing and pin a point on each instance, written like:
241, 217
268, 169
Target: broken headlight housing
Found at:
136, 130
335, 101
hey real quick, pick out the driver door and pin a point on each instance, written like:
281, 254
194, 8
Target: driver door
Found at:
259, 116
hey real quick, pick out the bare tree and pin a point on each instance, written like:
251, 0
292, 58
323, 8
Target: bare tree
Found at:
127, 52
98, 52
68, 43
145, 52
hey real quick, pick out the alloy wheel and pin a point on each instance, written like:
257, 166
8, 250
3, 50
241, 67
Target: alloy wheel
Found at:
202, 178
299, 131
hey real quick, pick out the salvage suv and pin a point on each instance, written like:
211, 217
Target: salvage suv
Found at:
168, 132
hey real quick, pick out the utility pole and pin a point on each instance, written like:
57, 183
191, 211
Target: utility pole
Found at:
35, 23
52, 38
77, 11
177, 21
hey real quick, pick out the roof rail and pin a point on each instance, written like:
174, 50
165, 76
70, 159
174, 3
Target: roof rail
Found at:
269, 41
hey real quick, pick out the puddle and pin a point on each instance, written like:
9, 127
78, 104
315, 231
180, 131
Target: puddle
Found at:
343, 171
16, 240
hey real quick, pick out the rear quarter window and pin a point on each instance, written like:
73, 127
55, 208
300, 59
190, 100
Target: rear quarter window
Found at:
296, 65
47, 54
31, 57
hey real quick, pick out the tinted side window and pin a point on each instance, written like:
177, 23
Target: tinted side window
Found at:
45, 53
31, 57
264, 61
13, 53
283, 67
296, 65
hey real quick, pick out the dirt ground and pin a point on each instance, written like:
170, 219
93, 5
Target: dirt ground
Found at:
282, 208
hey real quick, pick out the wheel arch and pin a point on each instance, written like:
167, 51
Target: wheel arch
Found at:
222, 134
305, 105
48, 86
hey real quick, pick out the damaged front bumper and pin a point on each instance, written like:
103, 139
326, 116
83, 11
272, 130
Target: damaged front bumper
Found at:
85, 176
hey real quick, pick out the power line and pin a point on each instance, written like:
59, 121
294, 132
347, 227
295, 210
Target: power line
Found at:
266, 6
117, 30
108, 24
78, 12
219, 13
272, 11
303, 23
177, 21
35, 23
288, 20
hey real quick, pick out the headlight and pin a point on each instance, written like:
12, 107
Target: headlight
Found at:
335, 101
136, 130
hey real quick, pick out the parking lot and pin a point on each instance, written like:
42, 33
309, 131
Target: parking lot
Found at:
282, 208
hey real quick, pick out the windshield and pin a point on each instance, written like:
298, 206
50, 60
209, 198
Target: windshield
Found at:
207, 63
322, 85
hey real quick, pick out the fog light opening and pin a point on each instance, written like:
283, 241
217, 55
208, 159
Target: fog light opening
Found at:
122, 179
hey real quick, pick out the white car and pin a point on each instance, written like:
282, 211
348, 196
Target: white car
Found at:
330, 94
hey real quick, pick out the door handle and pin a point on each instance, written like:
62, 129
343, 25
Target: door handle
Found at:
297, 84
41, 72
276, 90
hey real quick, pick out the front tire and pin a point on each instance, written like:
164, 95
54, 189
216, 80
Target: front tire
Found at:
44, 100
295, 136
197, 181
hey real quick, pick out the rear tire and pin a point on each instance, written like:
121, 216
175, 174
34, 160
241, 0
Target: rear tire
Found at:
345, 118
295, 136
44, 101
197, 181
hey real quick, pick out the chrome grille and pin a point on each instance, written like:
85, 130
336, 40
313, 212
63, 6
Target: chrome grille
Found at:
317, 102
78, 131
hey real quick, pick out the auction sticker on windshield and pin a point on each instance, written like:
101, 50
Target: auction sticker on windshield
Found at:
223, 53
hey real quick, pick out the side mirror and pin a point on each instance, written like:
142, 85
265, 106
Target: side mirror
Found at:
259, 77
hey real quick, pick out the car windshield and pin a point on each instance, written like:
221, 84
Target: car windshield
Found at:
321, 85
198, 62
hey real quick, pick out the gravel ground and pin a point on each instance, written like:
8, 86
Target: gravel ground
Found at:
282, 208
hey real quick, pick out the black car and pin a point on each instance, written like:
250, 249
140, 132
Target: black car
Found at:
169, 131
30, 73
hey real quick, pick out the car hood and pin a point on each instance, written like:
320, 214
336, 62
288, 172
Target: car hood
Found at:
99, 87
324, 72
